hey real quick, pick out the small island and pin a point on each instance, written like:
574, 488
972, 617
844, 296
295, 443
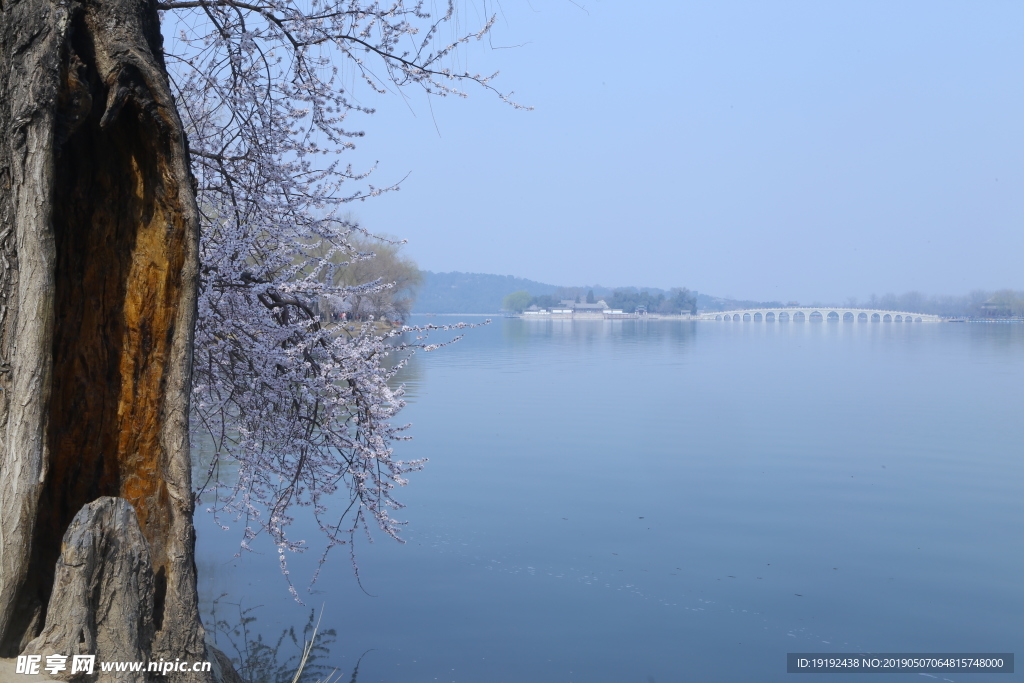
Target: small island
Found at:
624, 304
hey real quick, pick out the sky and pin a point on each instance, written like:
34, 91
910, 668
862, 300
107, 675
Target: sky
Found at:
766, 150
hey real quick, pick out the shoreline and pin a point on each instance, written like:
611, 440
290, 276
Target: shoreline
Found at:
656, 316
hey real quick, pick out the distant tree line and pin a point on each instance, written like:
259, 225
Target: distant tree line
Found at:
706, 302
629, 299
1005, 303
677, 300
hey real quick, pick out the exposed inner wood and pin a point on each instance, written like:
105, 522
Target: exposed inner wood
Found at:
120, 243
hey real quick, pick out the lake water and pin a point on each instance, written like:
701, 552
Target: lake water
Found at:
617, 501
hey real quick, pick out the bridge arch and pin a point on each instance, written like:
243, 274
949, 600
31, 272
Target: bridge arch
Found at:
848, 317
875, 318
887, 318
784, 317
799, 317
832, 317
746, 317
769, 317
758, 317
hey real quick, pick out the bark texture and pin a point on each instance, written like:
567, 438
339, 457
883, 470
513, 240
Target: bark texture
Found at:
103, 591
98, 263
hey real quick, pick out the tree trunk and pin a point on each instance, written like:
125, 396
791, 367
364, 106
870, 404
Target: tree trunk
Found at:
98, 264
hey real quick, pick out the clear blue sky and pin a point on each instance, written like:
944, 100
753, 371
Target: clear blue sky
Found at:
767, 150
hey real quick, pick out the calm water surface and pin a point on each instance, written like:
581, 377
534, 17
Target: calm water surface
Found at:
675, 501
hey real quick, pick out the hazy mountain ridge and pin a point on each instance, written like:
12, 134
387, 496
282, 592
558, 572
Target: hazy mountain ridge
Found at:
458, 292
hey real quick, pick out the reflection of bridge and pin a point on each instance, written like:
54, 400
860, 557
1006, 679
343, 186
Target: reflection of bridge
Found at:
828, 314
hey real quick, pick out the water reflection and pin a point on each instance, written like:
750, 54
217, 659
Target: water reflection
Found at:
233, 629
604, 503
587, 335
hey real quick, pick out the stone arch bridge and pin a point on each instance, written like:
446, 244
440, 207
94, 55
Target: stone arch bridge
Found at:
819, 314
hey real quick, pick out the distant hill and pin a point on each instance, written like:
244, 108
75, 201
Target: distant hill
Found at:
483, 293
717, 303
471, 292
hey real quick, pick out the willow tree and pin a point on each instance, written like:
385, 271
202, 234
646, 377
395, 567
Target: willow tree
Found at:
150, 199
